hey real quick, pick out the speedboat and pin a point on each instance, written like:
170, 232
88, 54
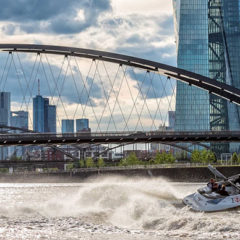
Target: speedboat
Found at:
207, 200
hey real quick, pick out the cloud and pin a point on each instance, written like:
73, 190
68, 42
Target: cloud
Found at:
21, 79
55, 16
152, 85
138, 28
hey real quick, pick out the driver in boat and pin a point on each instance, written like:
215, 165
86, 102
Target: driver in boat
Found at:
213, 185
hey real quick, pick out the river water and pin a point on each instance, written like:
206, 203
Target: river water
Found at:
108, 208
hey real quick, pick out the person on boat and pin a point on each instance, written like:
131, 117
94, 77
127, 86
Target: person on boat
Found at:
211, 182
213, 185
223, 191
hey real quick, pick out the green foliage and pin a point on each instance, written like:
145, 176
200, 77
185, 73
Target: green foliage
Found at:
15, 158
4, 170
81, 163
211, 157
69, 166
123, 162
163, 158
234, 157
196, 156
50, 169
130, 160
100, 162
89, 162
203, 156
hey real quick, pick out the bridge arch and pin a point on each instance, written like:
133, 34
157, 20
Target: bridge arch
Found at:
223, 90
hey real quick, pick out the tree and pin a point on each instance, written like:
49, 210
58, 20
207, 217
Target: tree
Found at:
89, 162
81, 163
234, 157
196, 156
171, 158
100, 162
204, 156
123, 162
69, 166
163, 158
158, 158
130, 160
211, 157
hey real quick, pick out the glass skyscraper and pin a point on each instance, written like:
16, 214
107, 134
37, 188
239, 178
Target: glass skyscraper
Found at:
38, 114
44, 115
51, 121
5, 102
18, 119
208, 43
67, 126
82, 124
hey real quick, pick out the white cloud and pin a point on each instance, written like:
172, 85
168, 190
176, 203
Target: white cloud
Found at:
142, 6
134, 27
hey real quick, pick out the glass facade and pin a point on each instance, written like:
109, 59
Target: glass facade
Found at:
5, 102
38, 114
82, 124
44, 115
51, 121
208, 43
18, 119
192, 104
5, 108
67, 126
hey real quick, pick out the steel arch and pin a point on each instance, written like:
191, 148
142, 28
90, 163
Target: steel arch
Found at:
212, 86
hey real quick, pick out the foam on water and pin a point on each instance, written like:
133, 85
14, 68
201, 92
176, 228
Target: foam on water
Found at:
147, 205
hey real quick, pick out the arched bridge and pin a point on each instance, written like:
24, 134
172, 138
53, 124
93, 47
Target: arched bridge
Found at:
220, 89
225, 91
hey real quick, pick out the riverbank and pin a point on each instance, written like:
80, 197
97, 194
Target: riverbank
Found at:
175, 174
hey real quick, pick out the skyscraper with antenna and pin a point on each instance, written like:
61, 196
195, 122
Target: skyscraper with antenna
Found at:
44, 114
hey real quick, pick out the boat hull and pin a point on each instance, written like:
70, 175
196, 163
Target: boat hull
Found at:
198, 202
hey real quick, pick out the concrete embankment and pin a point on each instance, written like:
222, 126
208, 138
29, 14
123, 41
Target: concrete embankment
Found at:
184, 174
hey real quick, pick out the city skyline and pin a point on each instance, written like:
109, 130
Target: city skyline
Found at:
131, 21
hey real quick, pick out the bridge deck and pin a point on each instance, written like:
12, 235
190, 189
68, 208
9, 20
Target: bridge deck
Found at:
118, 137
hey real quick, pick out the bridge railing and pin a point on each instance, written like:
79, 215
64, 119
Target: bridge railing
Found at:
103, 134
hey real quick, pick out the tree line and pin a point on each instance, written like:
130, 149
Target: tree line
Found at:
197, 156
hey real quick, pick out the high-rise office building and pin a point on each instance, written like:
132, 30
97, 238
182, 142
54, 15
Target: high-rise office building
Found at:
51, 121
171, 119
208, 43
18, 119
5, 108
44, 115
67, 126
5, 102
38, 114
82, 124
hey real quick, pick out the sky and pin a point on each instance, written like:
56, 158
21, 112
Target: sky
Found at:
138, 27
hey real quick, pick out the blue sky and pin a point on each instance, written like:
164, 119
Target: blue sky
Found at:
138, 27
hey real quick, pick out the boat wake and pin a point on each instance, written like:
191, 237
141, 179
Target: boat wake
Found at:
116, 205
